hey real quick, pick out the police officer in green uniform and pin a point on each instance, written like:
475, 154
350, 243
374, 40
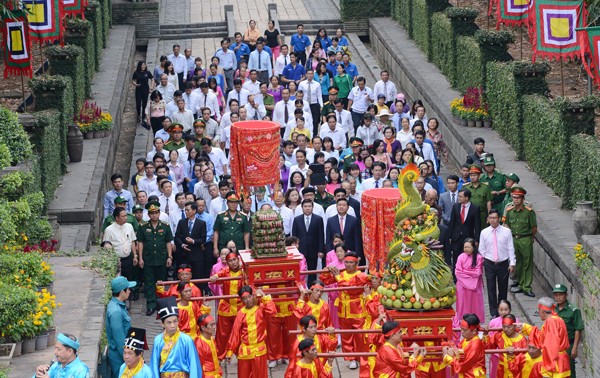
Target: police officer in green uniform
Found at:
322, 197
572, 317
231, 225
481, 194
329, 107
511, 179
495, 180
156, 255
121, 202
355, 145
176, 140
523, 225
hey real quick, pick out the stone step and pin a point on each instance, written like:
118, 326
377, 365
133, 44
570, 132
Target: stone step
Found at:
192, 31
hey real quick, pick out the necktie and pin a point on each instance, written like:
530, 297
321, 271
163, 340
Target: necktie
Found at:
286, 113
420, 151
285, 61
339, 117
342, 225
307, 223
205, 100
182, 214
239, 100
495, 243
223, 205
309, 93
256, 114
259, 54
463, 213
167, 207
453, 198
190, 225
385, 90
376, 183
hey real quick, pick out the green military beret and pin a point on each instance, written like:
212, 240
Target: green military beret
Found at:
514, 177
489, 160
559, 288
120, 200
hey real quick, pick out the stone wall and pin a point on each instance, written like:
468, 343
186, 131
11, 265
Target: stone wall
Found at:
589, 303
143, 15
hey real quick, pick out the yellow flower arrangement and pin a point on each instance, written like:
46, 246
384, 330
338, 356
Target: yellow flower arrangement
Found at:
581, 256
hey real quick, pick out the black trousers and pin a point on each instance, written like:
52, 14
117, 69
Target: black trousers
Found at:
128, 270
156, 123
301, 56
141, 100
180, 79
315, 110
457, 248
496, 279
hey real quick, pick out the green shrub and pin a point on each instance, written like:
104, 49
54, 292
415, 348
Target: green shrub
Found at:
81, 33
462, 21
547, 144
105, 262
36, 203
56, 92
48, 146
421, 26
357, 9
15, 185
5, 157
585, 174
442, 50
579, 114
8, 229
505, 105
14, 136
404, 15
16, 304
93, 12
468, 64
105, 8
68, 61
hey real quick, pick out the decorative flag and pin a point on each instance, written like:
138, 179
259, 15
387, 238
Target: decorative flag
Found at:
552, 25
512, 12
45, 20
17, 51
589, 40
74, 7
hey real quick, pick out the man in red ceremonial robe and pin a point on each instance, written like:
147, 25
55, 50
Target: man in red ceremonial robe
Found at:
278, 331
373, 310
189, 311
529, 365
350, 303
311, 303
390, 360
509, 338
207, 349
473, 363
323, 343
309, 366
184, 272
228, 308
554, 340
249, 333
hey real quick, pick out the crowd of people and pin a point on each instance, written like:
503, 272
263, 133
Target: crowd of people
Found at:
182, 219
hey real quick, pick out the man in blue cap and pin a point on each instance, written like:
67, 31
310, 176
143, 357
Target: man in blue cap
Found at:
118, 322
67, 363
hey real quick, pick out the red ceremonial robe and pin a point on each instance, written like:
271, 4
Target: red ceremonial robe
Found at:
391, 363
472, 365
314, 369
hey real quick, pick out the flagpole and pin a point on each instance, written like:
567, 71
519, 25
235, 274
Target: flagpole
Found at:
521, 38
23, 92
562, 79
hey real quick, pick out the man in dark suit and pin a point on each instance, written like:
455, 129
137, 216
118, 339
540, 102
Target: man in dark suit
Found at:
347, 226
448, 199
308, 227
190, 237
345, 190
465, 222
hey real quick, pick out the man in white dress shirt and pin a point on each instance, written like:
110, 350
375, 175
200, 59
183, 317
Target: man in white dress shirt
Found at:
219, 204
302, 141
377, 180
172, 105
424, 150
260, 60
286, 213
217, 157
367, 131
168, 204
165, 88
313, 96
148, 182
496, 247
420, 116
191, 99
183, 116
178, 214
238, 93
179, 64
343, 117
284, 118
255, 110
335, 132
282, 60
359, 99
386, 88
207, 99
234, 107
252, 85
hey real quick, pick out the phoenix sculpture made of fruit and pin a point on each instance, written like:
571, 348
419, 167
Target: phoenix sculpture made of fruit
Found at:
417, 277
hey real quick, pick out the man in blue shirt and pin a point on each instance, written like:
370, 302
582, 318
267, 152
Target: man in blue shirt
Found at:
117, 191
67, 362
293, 72
300, 43
241, 50
331, 64
260, 61
228, 61
118, 322
351, 69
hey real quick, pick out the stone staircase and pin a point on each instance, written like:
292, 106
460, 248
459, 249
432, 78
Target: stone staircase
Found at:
193, 31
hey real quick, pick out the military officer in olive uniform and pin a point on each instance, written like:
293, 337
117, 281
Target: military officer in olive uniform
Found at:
231, 225
329, 107
511, 179
355, 145
120, 202
156, 254
523, 225
572, 317
481, 194
176, 141
495, 180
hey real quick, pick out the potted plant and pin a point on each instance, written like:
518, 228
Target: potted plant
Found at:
106, 123
88, 116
